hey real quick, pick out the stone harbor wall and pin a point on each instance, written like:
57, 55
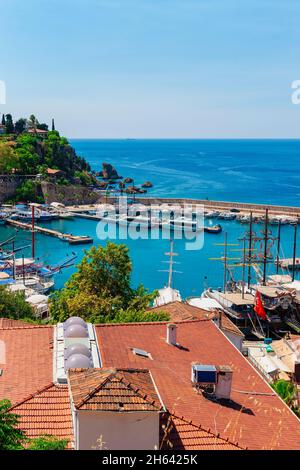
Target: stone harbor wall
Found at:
9, 184
68, 194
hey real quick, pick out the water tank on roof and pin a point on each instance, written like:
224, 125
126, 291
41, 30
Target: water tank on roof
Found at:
80, 361
77, 348
76, 331
74, 321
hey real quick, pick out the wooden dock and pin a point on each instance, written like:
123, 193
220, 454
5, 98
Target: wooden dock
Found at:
68, 237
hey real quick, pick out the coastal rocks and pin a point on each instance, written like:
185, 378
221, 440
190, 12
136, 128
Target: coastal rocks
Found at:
134, 190
109, 172
148, 184
68, 194
128, 180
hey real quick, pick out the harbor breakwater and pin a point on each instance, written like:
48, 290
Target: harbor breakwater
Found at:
219, 205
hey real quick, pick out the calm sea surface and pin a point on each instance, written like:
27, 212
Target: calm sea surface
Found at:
262, 171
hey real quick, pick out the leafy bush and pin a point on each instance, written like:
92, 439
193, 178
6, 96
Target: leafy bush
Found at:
47, 442
13, 305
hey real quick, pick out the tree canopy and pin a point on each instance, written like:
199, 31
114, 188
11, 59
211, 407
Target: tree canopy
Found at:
14, 306
100, 291
11, 438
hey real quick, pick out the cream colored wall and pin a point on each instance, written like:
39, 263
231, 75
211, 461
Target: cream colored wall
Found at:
117, 431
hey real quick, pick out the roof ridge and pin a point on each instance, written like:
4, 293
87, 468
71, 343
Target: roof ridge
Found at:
194, 320
25, 327
33, 395
199, 426
138, 390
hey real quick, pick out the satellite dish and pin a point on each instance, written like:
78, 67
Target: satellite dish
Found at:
78, 361
77, 348
76, 331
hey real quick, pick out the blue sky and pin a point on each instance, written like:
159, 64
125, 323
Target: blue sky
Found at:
153, 68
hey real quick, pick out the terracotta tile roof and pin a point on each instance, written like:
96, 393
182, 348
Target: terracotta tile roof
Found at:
113, 390
47, 411
255, 417
27, 361
179, 434
8, 323
51, 171
180, 311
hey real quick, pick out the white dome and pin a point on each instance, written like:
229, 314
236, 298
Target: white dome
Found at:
77, 348
75, 321
78, 361
76, 331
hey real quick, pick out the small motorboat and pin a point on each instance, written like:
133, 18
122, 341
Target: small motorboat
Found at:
214, 229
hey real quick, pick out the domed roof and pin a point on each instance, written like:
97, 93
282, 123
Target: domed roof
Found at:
76, 331
75, 321
78, 361
77, 348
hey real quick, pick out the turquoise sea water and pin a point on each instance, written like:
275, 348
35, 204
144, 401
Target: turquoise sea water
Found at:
250, 171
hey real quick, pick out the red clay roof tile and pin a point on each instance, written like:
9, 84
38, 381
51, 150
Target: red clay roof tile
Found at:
255, 417
113, 390
48, 411
27, 364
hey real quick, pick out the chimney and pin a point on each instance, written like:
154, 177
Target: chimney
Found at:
224, 381
171, 334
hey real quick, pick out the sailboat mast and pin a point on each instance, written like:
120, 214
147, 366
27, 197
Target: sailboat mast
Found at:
278, 246
250, 250
243, 271
32, 232
294, 252
265, 247
225, 263
171, 264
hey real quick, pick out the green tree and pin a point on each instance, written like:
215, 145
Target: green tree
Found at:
33, 122
8, 158
43, 126
3, 120
29, 191
100, 290
47, 442
20, 125
11, 438
9, 124
13, 305
286, 390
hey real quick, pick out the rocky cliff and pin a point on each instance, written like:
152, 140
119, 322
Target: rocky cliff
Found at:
68, 194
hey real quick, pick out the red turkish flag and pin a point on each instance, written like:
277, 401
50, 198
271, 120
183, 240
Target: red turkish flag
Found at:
258, 306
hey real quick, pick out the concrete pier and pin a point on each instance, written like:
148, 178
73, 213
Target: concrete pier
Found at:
68, 237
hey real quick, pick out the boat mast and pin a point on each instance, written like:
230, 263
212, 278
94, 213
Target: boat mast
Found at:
243, 268
32, 232
278, 246
294, 253
265, 247
250, 250
225, 262
171, 264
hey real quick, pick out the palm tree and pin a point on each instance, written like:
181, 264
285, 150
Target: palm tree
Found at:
33, 122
